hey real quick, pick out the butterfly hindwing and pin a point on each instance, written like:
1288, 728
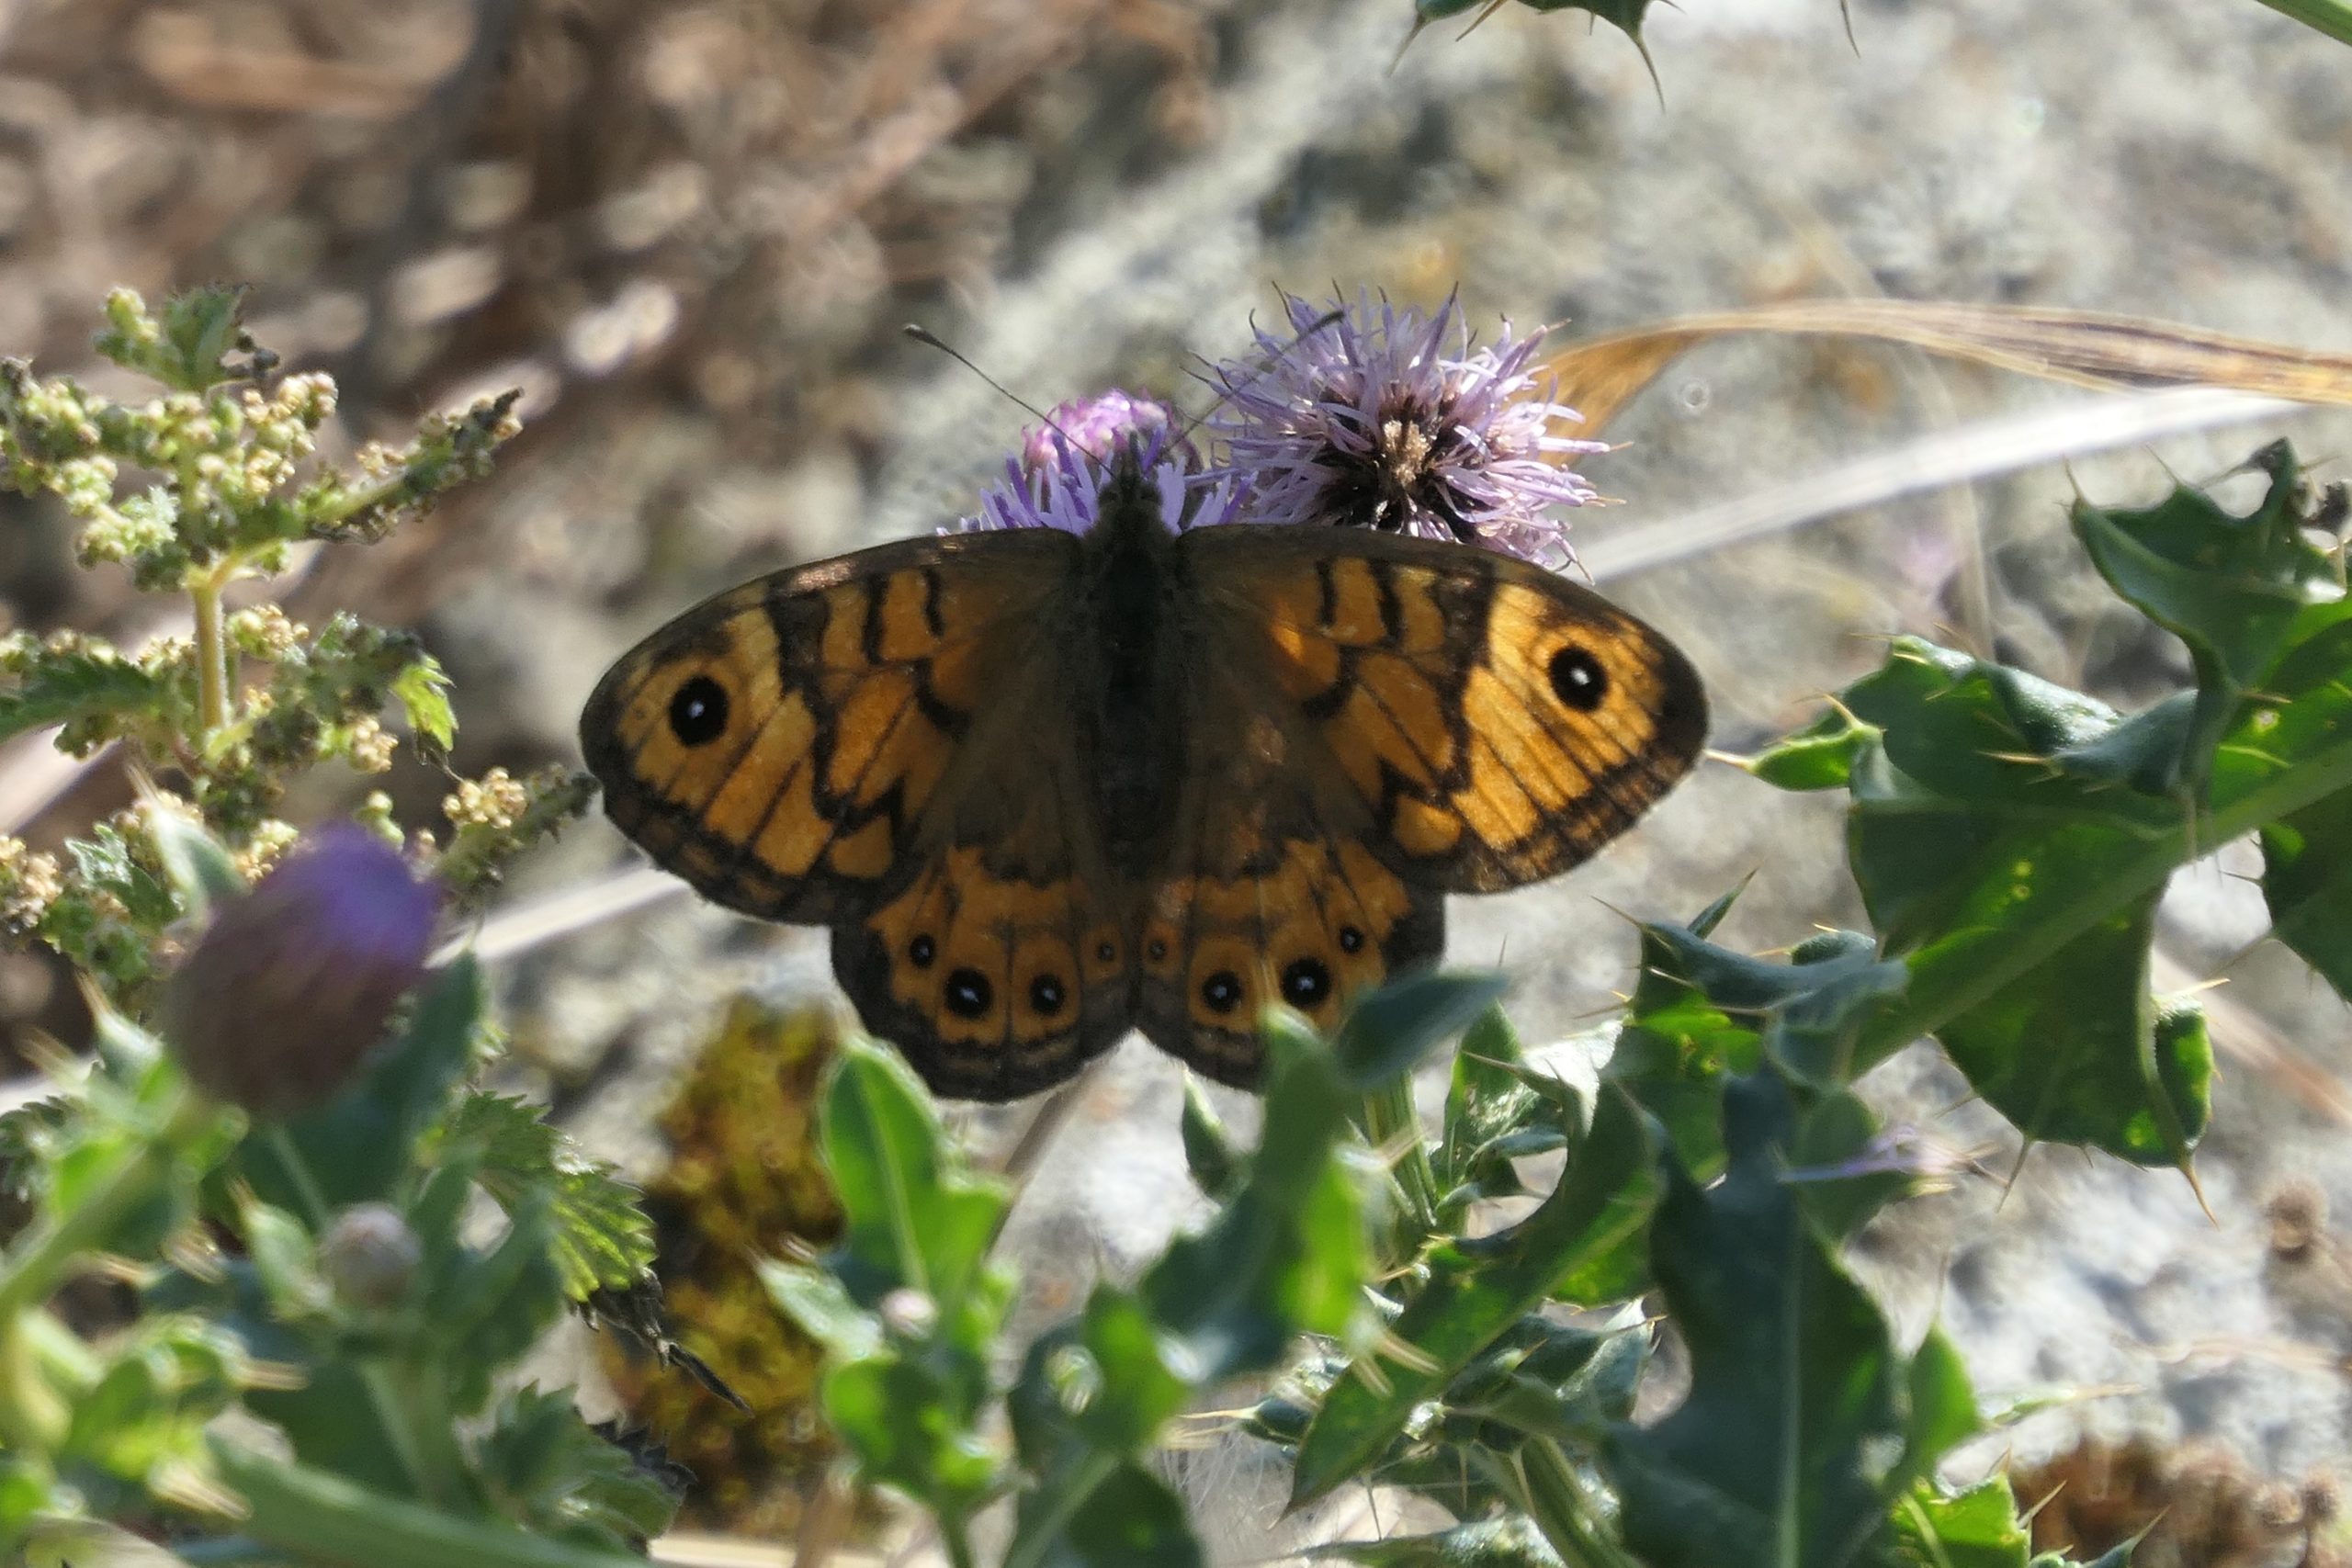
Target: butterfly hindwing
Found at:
995, 970
1497, 723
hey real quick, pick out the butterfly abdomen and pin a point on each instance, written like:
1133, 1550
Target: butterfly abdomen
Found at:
1129, 722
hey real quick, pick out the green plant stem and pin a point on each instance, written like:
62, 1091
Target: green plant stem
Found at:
316, 1515
957, 1542
1950, 978
1556, 1504
2333, 18
211, 654
1393, 1127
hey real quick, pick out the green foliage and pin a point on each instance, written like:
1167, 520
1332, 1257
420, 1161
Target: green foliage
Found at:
325, 1274
2012, 839
908, 1310
1803, 1425
233, 448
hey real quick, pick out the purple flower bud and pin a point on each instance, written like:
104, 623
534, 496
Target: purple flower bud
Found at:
1057, 479
294, 983
369, 1255
1098, 426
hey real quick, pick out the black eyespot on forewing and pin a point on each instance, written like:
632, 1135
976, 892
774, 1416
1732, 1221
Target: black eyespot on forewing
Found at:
1350, 940
1578, 679
968, 993
922, 951
699, 712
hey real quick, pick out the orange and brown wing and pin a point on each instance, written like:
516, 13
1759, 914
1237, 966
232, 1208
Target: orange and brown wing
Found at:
1374, 721
1273, 895
878, 743
1497, 723
781, 745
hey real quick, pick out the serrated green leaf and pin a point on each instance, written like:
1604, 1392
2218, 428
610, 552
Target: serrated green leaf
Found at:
603, 1240
1970, 831
2307, 882
1703, 1014
1975, 1529
1799, 1430
1545, 1380
423, 691
1478, 1290
86, 681
1487, 1107
2237, 589
1819, 756
106, 862
553, 1472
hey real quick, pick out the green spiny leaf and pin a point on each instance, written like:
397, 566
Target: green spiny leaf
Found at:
1780, 1457
1476, 1290
2238, 591
603, 1240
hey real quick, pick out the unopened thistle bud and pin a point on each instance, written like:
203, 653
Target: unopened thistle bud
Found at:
294, 982
369, 1255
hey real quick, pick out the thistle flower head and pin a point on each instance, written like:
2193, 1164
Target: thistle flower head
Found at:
294, 982
1058, 477
1378, 416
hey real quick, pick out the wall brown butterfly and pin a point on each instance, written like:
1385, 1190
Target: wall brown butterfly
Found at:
1047, 786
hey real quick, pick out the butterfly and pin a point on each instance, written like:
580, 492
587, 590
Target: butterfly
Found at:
1048, 786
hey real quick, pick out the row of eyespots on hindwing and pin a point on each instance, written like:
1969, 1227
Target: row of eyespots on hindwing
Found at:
1312, 932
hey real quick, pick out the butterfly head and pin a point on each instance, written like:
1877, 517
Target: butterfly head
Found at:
1111, 460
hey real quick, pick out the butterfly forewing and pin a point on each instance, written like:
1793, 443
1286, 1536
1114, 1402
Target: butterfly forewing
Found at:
1498, 723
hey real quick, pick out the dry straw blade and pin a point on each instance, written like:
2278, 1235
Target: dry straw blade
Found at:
1599, 375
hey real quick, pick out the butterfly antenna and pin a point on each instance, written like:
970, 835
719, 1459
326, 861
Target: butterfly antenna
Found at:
1327, 318
930, 339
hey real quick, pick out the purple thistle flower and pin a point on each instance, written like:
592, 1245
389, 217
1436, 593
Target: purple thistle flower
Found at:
1057, 479
294, 982
1362, 416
